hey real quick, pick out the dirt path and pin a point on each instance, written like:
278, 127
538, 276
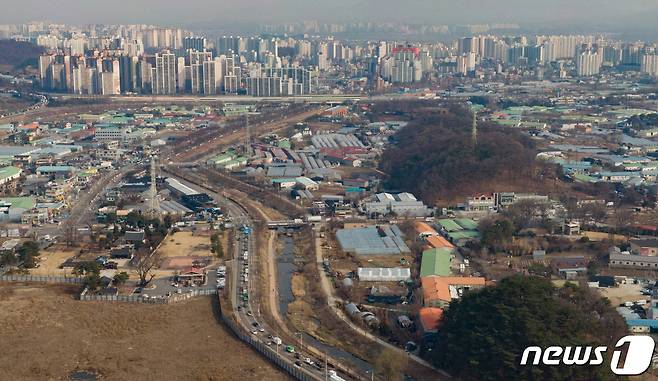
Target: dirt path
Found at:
331, 300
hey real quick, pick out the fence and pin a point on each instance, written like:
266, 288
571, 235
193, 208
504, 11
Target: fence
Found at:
84, 296
267, 351
41, 279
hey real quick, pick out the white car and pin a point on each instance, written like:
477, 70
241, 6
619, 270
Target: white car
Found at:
254, 332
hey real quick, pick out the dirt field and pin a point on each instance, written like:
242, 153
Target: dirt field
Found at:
186, 244
9, 104
623, 293
51, 259
599, 236
47, 335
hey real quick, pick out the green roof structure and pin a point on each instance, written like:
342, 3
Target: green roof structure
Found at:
450, 225
436, 262
20, 202
467, 223
9, 172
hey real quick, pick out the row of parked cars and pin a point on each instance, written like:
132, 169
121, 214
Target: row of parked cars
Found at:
221, 277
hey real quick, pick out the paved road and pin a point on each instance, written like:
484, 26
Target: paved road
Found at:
225, 98
86, 201
164, 286
249, 311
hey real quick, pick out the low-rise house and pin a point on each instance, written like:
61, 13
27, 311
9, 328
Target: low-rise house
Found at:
134, 237
571, 228
570, 268
644, 246
192, 275
122, 252
35, 216
438, 291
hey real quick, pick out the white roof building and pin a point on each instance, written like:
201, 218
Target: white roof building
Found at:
380, 274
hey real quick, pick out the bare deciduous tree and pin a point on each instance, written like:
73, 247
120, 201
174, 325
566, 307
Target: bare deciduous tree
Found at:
144, 261
70, 233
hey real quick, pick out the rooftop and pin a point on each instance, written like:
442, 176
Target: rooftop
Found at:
372, 240
430, 318
436, 262
8, 172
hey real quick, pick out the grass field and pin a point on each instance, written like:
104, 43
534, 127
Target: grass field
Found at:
46, 335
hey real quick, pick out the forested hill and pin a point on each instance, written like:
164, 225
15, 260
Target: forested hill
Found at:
17, 54
433, 157
484, 334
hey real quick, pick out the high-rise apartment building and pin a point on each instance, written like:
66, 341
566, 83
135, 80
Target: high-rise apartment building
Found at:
165, 74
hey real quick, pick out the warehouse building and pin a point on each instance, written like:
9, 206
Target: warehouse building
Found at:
436, 261
402, 204
459, 231
373, 240
58, 171
178, 188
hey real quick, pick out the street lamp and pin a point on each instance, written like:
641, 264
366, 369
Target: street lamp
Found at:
301, 340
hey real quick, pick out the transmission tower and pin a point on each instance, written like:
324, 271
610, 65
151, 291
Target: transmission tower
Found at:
247, 145
154, 204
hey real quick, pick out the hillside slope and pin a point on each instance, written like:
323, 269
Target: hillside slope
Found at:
433, 157
18, 54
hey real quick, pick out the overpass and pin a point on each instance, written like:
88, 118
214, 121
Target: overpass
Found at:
285, 224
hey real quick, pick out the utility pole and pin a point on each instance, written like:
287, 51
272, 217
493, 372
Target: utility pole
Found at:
248, 132
474, 131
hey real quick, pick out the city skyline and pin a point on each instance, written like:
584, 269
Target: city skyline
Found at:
206, 13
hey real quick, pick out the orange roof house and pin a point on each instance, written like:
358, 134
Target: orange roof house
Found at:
438, 291
430, 318
29, 127
424, 230
437, 242
431, 236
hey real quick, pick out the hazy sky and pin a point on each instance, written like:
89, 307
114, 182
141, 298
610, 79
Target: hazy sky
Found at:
186, 12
